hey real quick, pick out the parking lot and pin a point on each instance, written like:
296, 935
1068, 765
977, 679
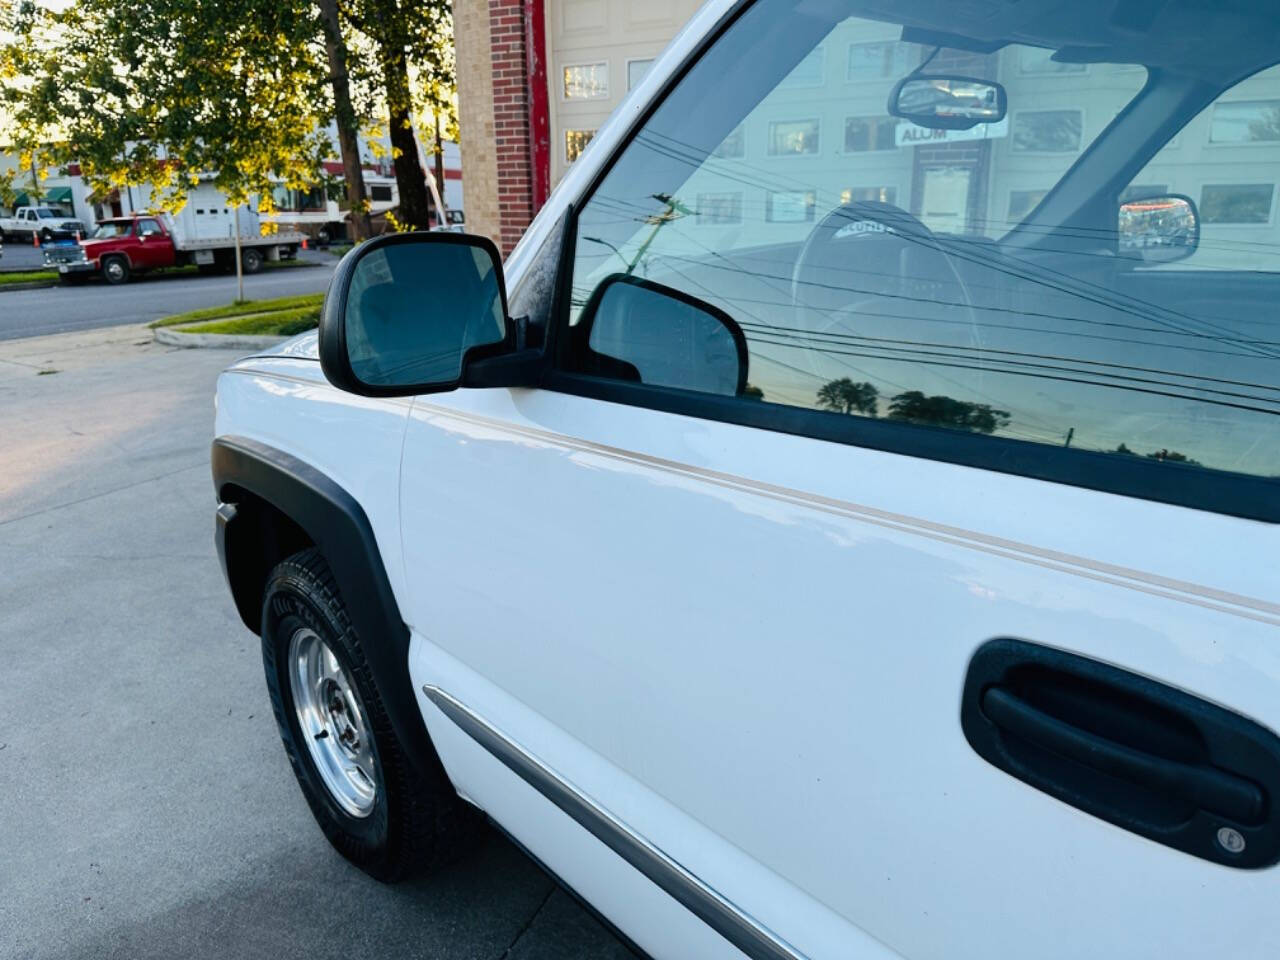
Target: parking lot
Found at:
149, 811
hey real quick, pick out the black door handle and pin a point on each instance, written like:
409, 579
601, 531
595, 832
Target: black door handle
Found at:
1137, 753
1223, 793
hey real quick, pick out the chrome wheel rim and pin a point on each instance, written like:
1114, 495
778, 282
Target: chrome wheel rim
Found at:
114, 270
333, 723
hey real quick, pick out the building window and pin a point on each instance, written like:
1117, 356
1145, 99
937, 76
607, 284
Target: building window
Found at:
1246, 121
732, 146
586, 81
808, 72
1047, 131
1022, 202
636, 69
869, 195
380, 193
575, 141
719, 209
1040, 60
865, 134
793, 137
871, 61
1236, 203
790, 206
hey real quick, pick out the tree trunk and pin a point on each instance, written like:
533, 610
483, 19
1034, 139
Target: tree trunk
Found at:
345, 115
415, 207
438, 150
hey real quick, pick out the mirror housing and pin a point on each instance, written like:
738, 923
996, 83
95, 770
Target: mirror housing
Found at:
408, 313
1158, 229
644, 332
942, 102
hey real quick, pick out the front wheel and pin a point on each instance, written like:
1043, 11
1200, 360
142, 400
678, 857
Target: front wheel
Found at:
251, 260
356, 777
115, 270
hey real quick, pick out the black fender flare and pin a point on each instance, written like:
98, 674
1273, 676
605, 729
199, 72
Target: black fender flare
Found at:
336, 523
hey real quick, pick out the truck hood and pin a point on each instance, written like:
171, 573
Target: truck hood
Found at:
96, 248
305, 346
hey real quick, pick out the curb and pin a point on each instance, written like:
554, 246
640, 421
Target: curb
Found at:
35, 285
227, 341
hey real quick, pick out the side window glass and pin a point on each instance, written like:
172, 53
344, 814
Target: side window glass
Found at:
147, 228
940, 276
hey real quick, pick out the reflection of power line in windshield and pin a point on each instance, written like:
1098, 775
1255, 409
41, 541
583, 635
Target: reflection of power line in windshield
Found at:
692, 156
954, 364
999, 365
1013, 311
985, 351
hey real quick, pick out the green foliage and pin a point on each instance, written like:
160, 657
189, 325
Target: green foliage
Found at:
38, 276
160, 92
940, 411
284, 323
243, 309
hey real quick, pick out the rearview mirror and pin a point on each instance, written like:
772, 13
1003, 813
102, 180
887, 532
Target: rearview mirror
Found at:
948, 103
638, 330
1159, 229
405, 312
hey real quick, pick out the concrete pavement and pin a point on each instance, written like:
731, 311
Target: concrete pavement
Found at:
59, 309
148, 810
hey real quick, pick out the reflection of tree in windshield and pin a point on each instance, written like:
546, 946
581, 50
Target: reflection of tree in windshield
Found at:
939, 411
1164, 456
845, 396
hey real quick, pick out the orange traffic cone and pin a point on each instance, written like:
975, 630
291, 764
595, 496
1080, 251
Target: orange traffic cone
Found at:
35, 239
304, 243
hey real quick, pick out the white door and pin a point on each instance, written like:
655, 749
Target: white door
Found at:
768, 624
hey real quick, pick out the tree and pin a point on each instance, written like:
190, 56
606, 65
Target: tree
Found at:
345, 119
161, 92
845, 396
942, 411
409, 38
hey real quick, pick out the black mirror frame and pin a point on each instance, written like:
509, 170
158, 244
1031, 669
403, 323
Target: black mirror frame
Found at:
945, 123
1195, 212
583, 354
334, 359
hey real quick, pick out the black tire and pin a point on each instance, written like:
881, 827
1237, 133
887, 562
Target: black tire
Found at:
251, 260
115, 270
45, 237
415, 823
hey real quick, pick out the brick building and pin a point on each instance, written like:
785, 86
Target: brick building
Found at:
536, 78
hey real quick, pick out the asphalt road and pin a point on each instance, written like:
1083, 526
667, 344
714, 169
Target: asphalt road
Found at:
60, 309
146, 808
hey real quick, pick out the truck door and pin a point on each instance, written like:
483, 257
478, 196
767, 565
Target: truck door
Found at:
918, 633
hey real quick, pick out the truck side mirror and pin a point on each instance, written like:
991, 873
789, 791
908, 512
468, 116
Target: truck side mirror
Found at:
635, 329
406, 312
1159, 229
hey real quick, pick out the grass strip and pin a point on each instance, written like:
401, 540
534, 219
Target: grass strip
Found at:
243, 309
284, 323
35, 276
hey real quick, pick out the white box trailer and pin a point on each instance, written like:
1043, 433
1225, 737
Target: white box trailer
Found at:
208, 223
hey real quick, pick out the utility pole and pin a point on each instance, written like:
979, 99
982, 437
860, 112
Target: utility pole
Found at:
239, 266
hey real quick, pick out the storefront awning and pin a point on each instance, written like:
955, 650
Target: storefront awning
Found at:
59, 195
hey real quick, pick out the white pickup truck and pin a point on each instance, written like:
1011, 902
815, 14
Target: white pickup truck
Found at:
845, 527
46, 223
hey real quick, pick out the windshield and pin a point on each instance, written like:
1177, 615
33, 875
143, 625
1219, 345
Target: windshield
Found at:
46, 213
1012, 277
112, 229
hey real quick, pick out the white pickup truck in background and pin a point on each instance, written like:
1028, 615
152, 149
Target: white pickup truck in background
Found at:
47, 223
